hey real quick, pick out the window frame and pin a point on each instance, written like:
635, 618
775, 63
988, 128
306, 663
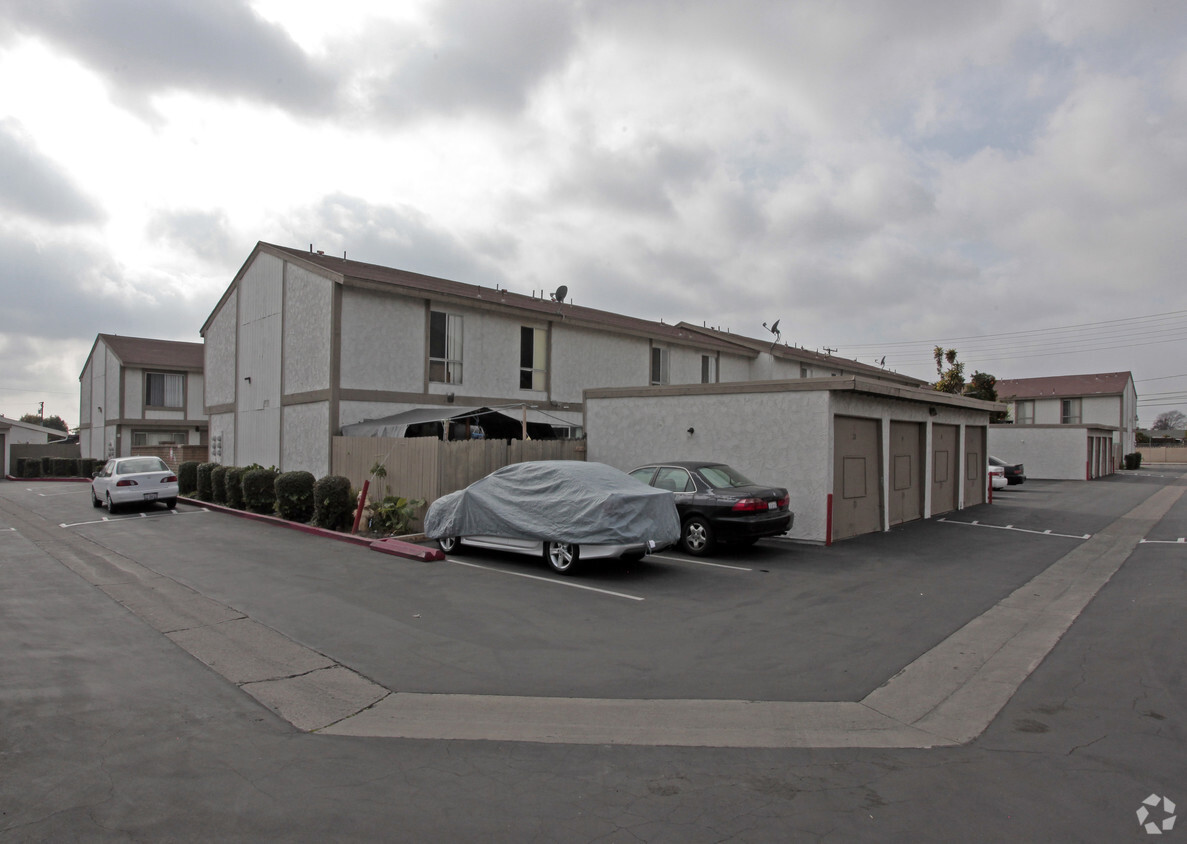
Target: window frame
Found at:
533, 358
1071, 411
709, 370
1027, 418
165, 376
446, 366
660, 373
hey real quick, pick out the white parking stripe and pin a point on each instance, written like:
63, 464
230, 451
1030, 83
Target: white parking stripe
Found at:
1180, 541
546, 579
697, 562
112, 519
1016, 530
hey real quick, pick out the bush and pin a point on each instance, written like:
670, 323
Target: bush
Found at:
393, 515
234, 484
90, 465
1133, 461
332, 504
294, 496
63, 467
18, 467
218, 484
259, 490
34, 468
205, 490
187, 477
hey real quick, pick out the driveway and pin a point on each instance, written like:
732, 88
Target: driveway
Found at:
782, 647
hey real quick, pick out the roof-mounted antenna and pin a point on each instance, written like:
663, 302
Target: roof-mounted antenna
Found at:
560, 293
774, 329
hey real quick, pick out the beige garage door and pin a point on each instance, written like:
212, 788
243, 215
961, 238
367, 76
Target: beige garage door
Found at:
857, 491
975, 467
906, 472
944, 467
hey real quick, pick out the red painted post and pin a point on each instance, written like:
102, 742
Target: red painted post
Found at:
358, 513
828, 521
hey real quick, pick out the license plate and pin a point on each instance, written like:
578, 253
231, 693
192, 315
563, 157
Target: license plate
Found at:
150, 496
772, 505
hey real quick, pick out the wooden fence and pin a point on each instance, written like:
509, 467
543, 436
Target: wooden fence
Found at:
424, 467
1163, 453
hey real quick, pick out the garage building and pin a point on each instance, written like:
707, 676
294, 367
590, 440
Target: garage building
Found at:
856, 455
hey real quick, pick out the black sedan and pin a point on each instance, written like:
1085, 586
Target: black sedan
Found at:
718, 504
1015, 472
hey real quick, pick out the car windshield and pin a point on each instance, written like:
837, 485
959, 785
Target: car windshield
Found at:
721, 476
141, 464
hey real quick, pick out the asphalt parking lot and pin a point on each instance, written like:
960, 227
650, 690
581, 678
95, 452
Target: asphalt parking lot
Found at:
111, 727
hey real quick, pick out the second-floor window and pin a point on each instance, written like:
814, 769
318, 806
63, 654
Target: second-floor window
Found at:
659, 365
708, 369
1069, 412
445, 347
533, 358
1025, 410
163, 389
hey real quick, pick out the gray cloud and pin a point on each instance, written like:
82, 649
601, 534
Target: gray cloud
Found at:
205, 235
33, 185
218, 47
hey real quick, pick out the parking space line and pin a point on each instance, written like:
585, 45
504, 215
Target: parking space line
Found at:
1182, 540
977, 523
551, 580
111, 519
697, 562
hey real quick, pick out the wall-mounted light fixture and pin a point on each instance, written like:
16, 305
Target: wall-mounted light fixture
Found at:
691, 431
449, 397
931, 411
247, 378
99, 409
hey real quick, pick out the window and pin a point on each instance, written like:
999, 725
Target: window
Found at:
163, 389
533, 358
1069, 412
659, 365
708, 369
158, 438
1025, 411
445, 347
803, 370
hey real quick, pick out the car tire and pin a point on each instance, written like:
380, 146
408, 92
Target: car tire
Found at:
696, 536
171, 503
95, 502
561, 556
109, 504
449, 544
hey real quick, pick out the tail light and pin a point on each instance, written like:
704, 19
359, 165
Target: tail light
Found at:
169, 479
126, 482
750, 505
784, 502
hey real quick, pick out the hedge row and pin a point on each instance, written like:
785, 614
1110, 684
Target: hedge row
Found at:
55, 467
295, 496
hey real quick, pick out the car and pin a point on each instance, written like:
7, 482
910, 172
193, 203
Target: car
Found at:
717, 503
1015, 472
134, 480
566, 511
997, 477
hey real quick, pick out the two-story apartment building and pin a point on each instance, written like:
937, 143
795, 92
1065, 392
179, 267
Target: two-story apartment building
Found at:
137, 391
302, 344
1068, 426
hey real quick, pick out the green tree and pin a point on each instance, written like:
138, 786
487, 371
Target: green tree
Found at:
984, 386
55, 422
952, 379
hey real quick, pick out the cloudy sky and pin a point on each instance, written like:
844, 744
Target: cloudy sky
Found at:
1004, 178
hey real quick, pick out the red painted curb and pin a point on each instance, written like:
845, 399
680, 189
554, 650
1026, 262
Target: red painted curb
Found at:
411, 550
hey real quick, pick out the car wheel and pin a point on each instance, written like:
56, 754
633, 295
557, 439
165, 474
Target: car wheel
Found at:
171, 503
449, 543
561, 556
696, 537
95, 502
110, 504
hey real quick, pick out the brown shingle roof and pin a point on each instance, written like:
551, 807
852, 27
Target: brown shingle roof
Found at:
1063, 386
140, 351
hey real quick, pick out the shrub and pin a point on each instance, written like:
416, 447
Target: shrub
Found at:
90, 465
205, 490
34, 468
259, 490
63, 467
393, 515
187, 477
218, 484
1133, 461
234, 484
332, 504
18, 467
294, 496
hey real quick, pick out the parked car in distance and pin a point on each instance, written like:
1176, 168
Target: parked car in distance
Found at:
1015, 472
562, 510
718, 504
134, 480
997, 477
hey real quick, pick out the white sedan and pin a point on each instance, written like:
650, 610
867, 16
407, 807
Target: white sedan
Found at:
997, 476
134, 480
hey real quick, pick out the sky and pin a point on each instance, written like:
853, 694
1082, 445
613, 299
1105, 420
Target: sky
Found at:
1008, 179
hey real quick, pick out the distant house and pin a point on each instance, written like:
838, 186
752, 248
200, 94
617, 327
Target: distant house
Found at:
303, 344
1096, 413
136, 391
14, 432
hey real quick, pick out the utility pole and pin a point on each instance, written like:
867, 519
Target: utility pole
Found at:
41, 411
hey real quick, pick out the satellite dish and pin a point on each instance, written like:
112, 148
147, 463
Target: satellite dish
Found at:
560, 294
775, 327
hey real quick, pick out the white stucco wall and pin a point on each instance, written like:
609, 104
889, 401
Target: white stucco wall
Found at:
583, 359
308, 304
383, 342
773, 438
305, 438
219, 355
1058, 452
222, 425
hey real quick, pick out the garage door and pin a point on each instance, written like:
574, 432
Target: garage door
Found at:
944, 467
857, 491
906, 472
975, 467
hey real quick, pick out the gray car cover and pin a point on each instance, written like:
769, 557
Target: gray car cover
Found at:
558, 500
